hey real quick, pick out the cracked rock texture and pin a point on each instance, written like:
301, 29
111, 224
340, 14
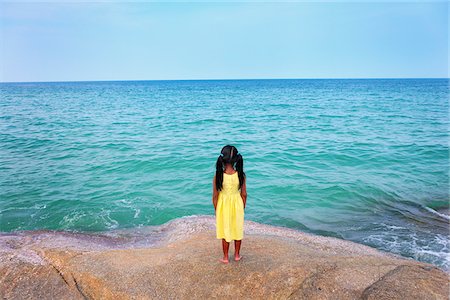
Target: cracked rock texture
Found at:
180, 260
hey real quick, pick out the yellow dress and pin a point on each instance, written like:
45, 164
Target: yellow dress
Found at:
230, 210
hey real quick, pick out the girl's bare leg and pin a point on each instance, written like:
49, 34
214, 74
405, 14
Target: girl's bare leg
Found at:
237, 248
225, 247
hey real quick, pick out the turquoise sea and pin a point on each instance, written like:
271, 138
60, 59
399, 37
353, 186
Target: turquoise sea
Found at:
363, 160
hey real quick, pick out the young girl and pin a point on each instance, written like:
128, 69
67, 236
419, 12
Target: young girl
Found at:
229, 198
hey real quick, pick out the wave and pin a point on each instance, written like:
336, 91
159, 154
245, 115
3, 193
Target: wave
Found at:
444, 216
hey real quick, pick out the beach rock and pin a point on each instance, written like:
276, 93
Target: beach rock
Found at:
183, 263
401, 281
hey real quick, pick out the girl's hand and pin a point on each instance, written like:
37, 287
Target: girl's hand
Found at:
244, 192
215, 193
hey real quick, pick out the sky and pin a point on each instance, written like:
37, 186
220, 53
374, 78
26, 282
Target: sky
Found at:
103, 40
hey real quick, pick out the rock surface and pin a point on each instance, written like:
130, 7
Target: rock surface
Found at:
180, 259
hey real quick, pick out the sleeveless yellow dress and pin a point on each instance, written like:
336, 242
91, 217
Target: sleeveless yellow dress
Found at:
230, 210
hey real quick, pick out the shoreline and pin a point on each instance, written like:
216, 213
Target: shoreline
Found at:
159, 235
174, 259
173, 230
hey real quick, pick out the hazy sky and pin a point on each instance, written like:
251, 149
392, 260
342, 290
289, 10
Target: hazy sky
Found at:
45, 41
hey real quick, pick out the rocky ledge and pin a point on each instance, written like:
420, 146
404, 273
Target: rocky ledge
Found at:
180, 260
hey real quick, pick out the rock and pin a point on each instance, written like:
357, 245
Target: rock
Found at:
183, 263
409, 282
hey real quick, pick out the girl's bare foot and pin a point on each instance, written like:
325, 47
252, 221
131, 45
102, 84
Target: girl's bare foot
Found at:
237, 258
225, 261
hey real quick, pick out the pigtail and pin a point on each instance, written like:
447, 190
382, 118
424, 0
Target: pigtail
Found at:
240, 169
219, 173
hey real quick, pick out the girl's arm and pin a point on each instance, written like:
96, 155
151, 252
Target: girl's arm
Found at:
244, 192
215, 193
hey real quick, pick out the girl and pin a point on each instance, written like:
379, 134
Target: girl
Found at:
229, 199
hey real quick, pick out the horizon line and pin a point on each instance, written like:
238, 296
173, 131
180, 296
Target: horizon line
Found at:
224, 79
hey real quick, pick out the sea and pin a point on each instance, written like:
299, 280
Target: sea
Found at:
365, 160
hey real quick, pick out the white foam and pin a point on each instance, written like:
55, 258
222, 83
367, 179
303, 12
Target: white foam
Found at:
434, 251
392, 226
447, 217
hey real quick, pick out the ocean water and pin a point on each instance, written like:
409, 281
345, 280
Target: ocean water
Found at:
362, 160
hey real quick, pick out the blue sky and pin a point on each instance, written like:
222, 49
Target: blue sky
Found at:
51, 41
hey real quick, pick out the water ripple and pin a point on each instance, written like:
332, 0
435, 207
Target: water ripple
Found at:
365, 160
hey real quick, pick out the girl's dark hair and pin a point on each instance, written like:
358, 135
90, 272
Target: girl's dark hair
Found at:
229, 154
